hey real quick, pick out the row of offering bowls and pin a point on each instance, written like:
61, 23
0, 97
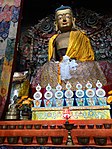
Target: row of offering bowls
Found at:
53, 126
30, 126
42, 140
56, 140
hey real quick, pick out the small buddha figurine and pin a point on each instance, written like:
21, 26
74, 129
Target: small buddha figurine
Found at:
13, 113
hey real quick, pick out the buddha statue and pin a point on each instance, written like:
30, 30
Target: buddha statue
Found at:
69, 41
70, 52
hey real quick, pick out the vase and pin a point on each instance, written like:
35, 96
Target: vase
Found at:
26, 114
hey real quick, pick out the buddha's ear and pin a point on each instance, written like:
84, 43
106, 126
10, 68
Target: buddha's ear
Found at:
56, 26
74, 19
73, 22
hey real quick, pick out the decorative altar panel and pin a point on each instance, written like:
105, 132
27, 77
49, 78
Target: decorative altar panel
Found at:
9, 17
77, 113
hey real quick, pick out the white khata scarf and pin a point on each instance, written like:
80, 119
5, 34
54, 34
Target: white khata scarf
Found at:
67, 68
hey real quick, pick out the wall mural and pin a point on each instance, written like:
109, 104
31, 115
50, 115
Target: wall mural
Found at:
34, 42
9, 15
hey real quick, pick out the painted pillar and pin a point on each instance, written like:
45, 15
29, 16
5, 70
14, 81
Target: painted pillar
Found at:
9, 17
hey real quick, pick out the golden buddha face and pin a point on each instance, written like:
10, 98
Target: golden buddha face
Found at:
64, 20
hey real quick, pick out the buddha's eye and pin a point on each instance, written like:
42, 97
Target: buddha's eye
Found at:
60, 17
68, 16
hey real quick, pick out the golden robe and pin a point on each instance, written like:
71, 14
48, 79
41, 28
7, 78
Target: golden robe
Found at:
79, 47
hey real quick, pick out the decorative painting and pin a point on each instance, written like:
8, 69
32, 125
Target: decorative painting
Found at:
9, 16
81, 113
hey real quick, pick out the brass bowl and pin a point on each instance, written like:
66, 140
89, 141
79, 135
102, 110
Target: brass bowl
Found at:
27, 140
107, 126
99, 126
29, 126
100, 140
12, 140
75, 126
90, 126
83, 140
57, 140
45, 126
11, 126
4, 126
52, 126
37, 126
20, 126
82, 126
42, 140
2, 139
60, 126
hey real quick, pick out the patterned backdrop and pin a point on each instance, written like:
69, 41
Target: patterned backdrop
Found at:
34, 41
9, 15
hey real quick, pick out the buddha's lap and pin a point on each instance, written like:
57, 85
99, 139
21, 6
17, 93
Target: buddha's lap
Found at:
86, 71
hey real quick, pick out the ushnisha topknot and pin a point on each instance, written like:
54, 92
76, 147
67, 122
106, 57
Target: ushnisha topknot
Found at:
62, 7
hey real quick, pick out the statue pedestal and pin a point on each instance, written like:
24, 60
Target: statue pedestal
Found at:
81, 112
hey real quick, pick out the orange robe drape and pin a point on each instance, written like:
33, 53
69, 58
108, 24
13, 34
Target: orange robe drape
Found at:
79, 47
